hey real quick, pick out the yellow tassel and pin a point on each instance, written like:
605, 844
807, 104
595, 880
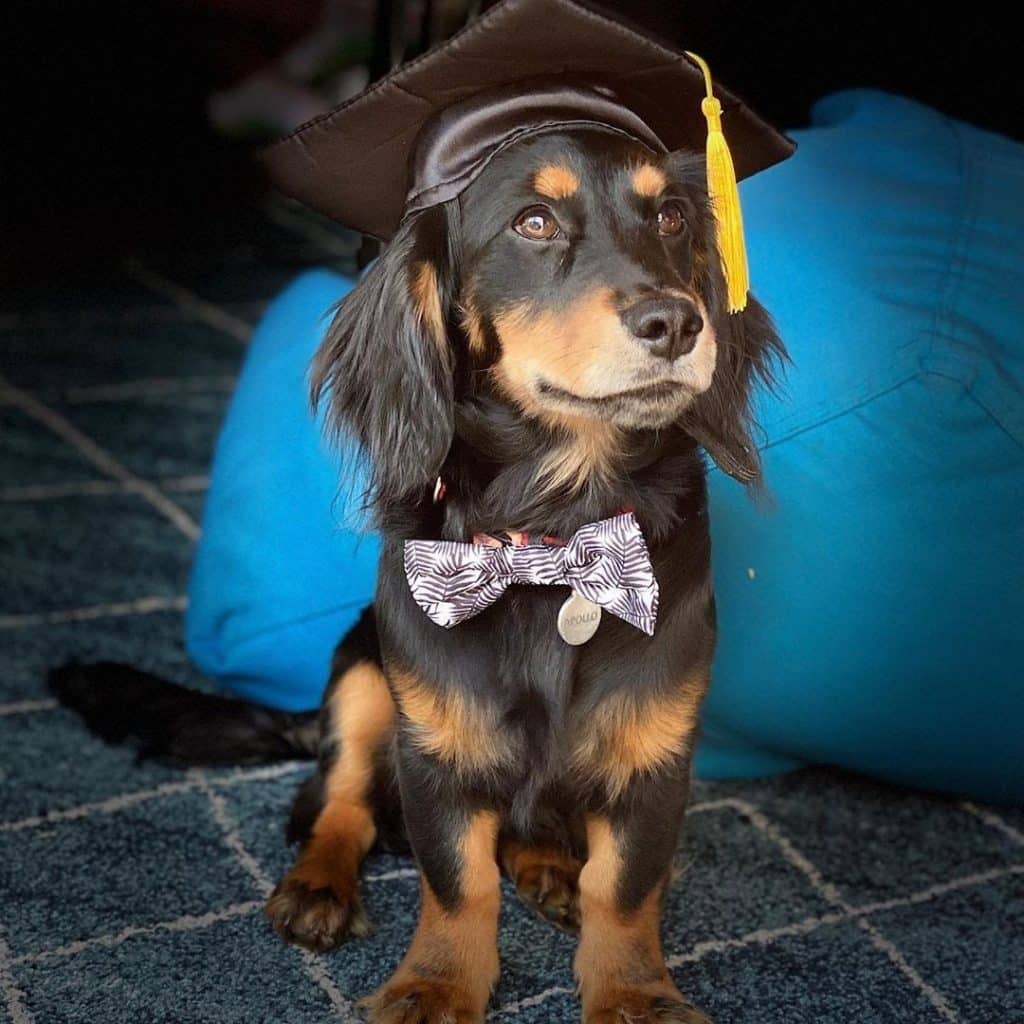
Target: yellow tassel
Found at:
725, 198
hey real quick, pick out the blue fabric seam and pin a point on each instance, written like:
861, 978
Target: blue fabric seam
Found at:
939, 350
906, 364
990, 394
916, 352
860, 401
1009, 411
995, 398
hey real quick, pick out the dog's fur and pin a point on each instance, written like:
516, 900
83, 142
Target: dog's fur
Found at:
526, 375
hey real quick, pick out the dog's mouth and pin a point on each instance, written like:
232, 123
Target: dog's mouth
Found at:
650, 393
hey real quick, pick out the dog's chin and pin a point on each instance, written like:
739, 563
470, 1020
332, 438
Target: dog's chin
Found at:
641, 408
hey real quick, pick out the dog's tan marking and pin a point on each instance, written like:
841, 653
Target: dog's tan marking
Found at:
362, 716
649, 181
563, 348
626, 737
472, 324
426, 299
589, 452
619, 963
546, 878
317, 902
518, 857
556, 181
452, 964
560, 346
449, 726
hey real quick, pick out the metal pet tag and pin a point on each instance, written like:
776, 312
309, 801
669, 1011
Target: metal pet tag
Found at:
578, 620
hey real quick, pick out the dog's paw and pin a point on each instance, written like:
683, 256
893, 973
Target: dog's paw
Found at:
642, 1008
421, 1001
549, 886
551, 891
315, 918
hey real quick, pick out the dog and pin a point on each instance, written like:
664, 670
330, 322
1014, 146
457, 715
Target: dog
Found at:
548, 350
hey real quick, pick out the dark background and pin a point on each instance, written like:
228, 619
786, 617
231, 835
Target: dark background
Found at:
107, 144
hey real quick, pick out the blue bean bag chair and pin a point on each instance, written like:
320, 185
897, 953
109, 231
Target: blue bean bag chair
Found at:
870, 608
284, 565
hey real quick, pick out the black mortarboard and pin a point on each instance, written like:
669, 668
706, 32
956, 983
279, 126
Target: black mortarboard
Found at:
420, 135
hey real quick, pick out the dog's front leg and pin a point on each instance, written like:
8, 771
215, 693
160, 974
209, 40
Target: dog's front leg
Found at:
619, 964
451, 966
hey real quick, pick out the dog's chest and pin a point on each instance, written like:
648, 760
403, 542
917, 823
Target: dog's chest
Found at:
542, 685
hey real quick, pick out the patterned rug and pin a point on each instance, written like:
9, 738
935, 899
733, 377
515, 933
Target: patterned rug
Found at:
132, 893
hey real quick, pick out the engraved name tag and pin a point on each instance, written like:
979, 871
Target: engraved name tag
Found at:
578, 620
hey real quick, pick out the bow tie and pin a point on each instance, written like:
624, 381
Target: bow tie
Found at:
605, 562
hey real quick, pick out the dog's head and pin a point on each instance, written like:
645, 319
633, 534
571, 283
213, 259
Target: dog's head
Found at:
577, 279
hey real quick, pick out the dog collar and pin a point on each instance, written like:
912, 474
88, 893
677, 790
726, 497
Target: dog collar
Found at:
606, 564
510, 538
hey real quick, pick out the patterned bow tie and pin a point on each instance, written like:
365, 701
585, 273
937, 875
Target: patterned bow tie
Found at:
605, 562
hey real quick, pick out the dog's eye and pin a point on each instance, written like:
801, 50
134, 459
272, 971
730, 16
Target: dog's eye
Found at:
537, 223
670, 219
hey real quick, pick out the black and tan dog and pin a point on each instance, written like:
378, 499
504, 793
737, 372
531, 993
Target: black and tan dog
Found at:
554, 346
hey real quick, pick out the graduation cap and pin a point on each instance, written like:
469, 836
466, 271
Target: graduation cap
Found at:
422, 134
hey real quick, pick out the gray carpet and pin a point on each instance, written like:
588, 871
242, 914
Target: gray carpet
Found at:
131, 893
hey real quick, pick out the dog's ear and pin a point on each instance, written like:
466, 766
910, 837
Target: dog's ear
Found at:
749, 350
385, 367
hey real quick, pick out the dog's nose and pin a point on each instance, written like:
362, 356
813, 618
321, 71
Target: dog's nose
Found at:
666, 327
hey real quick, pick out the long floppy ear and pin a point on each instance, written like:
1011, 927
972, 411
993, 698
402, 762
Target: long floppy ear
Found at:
749, 350
385, 367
